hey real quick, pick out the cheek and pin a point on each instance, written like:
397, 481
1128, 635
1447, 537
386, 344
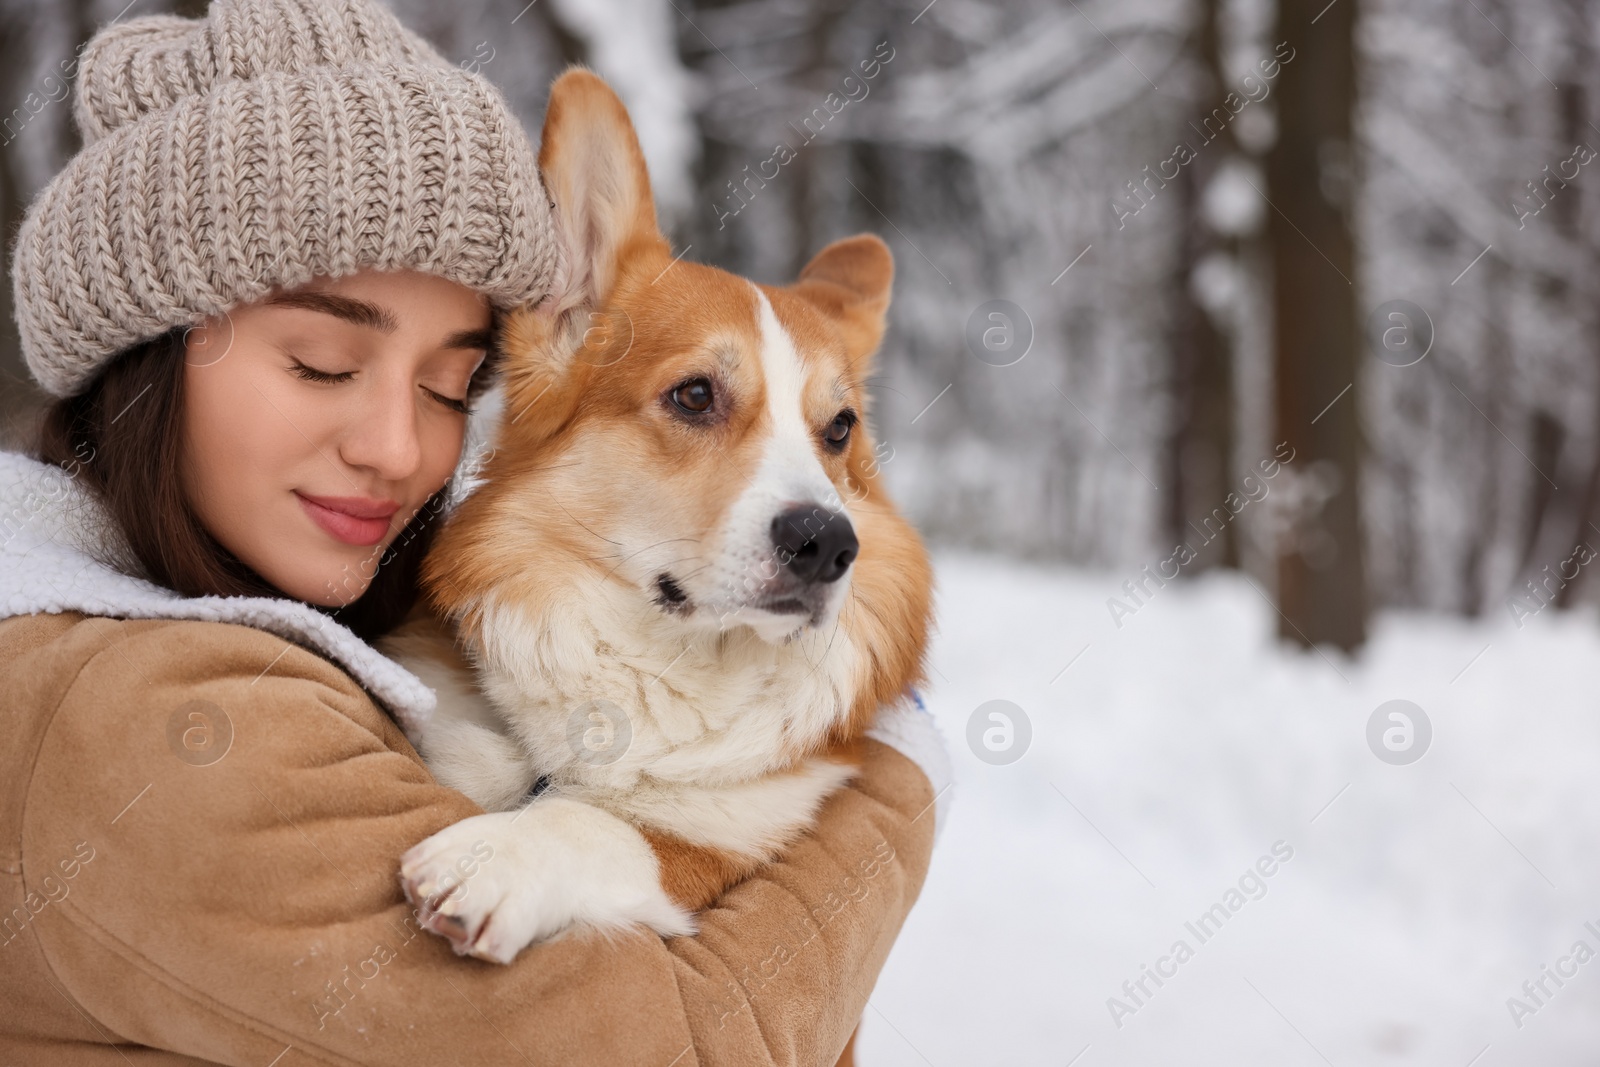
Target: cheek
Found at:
212, 456
240, 434
703, 497
251, 434
845, 481
235, 466
441, 442
651, 493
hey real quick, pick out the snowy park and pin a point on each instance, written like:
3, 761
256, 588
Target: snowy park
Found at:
1176, 752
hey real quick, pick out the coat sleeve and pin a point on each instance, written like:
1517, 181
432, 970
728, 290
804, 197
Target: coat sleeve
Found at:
243, 807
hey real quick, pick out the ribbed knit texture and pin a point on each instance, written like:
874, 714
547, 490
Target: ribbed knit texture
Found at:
270, 142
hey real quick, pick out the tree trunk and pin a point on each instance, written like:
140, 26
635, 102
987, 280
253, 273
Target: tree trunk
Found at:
1199, 460
1322, 594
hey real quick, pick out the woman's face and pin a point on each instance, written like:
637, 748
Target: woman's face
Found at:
317, 422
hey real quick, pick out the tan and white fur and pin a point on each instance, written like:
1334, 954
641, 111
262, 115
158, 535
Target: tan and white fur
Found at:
623, 607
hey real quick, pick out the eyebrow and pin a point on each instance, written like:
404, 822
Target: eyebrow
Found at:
373, 316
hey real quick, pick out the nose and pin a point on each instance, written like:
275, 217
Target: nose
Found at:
814, 544
383, 435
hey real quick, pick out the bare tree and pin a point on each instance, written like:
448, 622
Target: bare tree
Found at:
1321, 580
1199, 452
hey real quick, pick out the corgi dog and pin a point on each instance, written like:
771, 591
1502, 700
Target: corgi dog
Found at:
664, 618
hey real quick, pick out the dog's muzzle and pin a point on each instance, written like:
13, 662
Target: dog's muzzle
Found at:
813, 547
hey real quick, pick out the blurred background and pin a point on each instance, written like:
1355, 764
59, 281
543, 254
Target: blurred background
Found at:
1244, 373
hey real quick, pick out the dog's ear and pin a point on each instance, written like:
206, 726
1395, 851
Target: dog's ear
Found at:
849, 281
595, 173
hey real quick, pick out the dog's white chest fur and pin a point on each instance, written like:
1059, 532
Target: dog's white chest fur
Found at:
693, 732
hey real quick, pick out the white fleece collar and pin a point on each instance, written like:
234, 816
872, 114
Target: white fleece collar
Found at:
56, 539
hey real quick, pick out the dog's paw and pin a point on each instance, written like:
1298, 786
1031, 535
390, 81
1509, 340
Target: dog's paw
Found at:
436, 877
494, 884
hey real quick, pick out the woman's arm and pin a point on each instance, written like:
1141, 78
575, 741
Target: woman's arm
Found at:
248, 907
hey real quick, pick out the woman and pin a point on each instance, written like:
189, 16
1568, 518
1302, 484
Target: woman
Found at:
263, 295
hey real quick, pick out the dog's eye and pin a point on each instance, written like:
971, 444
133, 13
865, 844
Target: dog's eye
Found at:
838, 431
693, 396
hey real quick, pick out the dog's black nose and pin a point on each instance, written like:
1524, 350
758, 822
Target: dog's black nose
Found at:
814, 544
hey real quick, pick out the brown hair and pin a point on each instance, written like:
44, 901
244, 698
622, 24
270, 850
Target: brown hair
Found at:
123, 437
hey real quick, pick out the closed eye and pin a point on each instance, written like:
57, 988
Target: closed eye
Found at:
311, 374
450, 402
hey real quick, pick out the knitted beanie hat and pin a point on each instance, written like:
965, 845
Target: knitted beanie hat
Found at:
269, 143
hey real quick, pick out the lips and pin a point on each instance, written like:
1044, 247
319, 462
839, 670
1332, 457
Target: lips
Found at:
355, 520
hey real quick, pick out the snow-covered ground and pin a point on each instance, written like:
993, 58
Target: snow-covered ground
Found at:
1170, 758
